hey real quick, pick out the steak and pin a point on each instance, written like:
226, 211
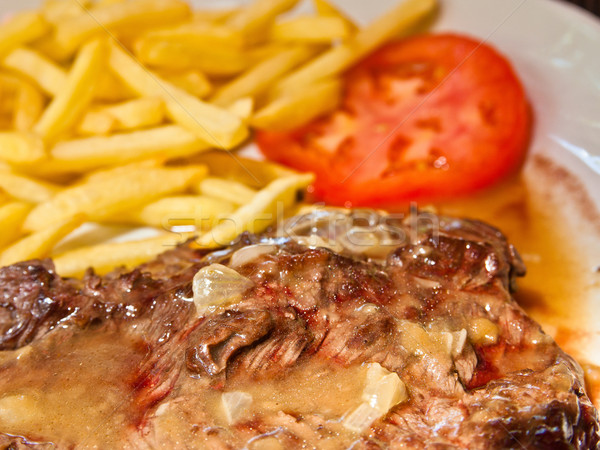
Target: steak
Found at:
291, 321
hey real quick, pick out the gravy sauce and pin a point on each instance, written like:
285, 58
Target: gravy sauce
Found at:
69, 392
86, 399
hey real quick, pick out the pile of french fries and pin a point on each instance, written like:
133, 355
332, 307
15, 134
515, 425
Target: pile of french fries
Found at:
126, 112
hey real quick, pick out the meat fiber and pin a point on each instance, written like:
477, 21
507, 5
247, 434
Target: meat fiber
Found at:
429, 300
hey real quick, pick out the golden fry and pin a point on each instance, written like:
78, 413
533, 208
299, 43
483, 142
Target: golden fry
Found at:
24, 188
29, 106
169, 141
24, 27
213, 15
261, 77
325, 8
110, 89
243, 108
55, 11
105, 257
254, 19
216, 126
215, 61
199, 35
201, 212
96, 123
103, 198
70, 103
110, 173
252, 173
338, 59
192, 81
17, 147
4, 198
300, 107
310, 29
139, 113
227, 190
11, 219
46, 74
39, 244
266, 208
9, 91
73, 32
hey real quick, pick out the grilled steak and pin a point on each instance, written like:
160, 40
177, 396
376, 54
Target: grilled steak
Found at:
287, 324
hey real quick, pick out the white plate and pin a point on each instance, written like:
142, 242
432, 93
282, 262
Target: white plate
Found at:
554, 48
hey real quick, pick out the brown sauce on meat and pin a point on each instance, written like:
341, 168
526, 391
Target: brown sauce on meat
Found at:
560, 283
67, 394
305, 389
554, 268
87, 398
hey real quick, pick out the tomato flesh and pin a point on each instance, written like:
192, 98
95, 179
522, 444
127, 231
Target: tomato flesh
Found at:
427, 118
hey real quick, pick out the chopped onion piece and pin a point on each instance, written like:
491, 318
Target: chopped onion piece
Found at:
361, 418
315, 241
460, 339
247, 254
18, 409
265, 443
216, 285
483, 331
383, 389
235, 404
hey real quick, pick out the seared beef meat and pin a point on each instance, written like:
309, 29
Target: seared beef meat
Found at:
331, 292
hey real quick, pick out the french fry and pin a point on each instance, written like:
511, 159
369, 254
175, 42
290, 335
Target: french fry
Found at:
216, 126
73, 32
297, 108
338, 59
255, 19
99, 199
200, 35
201, 212
11, 218
17, 147
29, 106
46, 74
218, 62
24, 27
213, 15
25, 188
242, 108
105, 257
55, 11
192, 81
68, 105
100, 3
40, 243
324, 8
110, 89
137, 113
51, 48
9, 91
96, 123
228, 190
252, 173
259, 213
261, 77
171, 141
310, 29
110, 173
4, 198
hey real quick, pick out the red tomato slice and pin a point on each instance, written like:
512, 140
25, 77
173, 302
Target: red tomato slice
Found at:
427, 118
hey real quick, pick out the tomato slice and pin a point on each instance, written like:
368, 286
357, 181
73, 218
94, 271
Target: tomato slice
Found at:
431, 117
